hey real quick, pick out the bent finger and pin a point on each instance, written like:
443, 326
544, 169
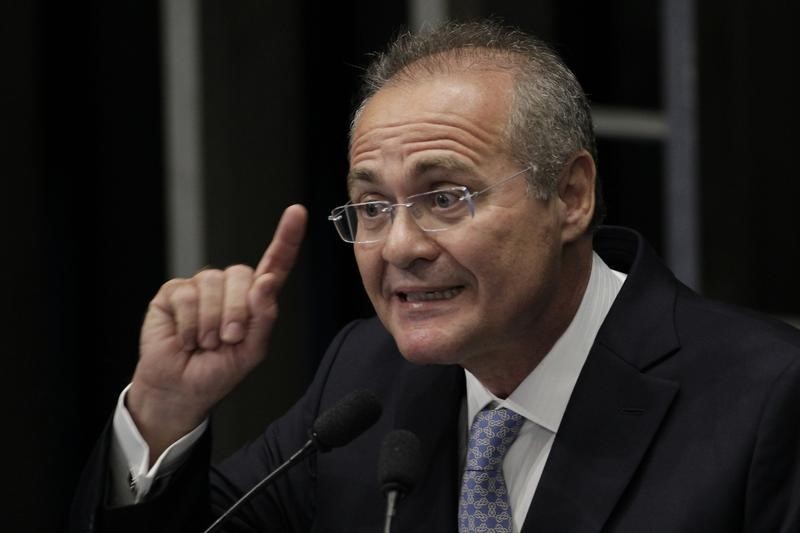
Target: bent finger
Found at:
210, 289
235, 312
183, 302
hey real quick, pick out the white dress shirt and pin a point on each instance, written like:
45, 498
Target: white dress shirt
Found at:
543, 395
129, 459
541, 398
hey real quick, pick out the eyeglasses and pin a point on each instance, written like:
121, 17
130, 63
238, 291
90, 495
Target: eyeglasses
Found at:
438, 210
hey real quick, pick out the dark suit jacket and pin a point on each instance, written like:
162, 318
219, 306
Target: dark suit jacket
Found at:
685, 417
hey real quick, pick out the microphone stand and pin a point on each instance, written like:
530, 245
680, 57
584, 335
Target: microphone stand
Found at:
308, 448
337, 426
391, 502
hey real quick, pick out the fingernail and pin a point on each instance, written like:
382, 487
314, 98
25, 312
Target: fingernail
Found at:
233, 332
211, 340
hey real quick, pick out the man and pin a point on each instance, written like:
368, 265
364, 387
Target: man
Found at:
604, 395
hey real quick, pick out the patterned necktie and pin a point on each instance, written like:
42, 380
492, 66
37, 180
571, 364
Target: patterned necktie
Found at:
484, 505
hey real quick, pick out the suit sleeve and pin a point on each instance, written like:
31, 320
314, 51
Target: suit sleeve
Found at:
196, 493
773, 492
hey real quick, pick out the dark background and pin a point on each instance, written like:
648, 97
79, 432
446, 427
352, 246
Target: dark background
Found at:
83, 178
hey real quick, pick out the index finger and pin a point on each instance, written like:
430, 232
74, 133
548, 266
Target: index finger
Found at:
281, 253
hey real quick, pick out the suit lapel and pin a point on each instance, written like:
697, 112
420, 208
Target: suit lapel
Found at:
611, 419
616, 408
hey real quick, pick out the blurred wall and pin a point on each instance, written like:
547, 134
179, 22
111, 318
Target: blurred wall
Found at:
82, 232
83, 179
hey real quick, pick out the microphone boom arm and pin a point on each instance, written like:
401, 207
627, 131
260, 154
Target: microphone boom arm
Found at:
308, 448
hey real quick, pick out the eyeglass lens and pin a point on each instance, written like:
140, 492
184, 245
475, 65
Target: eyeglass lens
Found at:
432, 211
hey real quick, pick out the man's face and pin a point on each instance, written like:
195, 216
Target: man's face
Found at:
485, 287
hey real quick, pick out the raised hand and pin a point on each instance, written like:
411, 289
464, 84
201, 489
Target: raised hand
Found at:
202, 336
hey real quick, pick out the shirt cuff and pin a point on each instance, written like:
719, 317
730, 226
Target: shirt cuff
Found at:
131, 479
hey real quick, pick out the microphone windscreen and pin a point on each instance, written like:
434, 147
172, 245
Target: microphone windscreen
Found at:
399, 461
346, 420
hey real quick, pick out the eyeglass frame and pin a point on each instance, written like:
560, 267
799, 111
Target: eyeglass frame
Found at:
389, 208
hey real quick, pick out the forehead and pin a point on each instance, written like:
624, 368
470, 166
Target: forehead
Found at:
462, 114
481, 92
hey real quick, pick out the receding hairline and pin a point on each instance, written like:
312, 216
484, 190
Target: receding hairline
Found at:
464, 59
550, 117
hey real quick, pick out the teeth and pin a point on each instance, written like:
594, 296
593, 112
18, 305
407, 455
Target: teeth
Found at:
432, 295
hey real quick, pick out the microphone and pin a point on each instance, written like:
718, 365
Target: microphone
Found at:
337, 426
398, 469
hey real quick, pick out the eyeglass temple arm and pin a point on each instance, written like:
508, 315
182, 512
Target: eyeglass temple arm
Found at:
471, 195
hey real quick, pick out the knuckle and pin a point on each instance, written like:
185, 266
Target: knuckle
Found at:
169, 286
239, 271
184, 295
155, 305
209, 277
171, 283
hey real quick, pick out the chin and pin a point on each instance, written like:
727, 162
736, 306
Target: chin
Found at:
427, 348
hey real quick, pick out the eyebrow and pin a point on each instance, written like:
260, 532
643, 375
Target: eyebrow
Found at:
360, 174
421, 167
440, 162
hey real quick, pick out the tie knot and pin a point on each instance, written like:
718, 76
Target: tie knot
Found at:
491, 435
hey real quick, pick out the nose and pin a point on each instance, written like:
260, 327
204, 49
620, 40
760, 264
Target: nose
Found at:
406, 242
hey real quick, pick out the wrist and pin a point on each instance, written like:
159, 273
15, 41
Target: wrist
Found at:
161, 418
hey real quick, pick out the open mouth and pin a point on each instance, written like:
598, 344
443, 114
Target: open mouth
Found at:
427, 296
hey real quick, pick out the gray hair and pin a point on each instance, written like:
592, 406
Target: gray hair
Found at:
550, 119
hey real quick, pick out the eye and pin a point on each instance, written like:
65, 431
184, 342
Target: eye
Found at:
372, 209
444, 199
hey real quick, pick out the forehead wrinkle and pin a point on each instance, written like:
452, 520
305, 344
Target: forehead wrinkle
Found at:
452, 125
357, 143
462, 125
441, 161
457, 137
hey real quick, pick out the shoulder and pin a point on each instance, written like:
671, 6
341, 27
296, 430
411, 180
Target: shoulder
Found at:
362, 355
733, 365
655, 315
743, 335
362, 339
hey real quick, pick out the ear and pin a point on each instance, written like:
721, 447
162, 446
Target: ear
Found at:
576, 195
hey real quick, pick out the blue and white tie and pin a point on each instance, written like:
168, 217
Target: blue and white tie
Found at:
484, 505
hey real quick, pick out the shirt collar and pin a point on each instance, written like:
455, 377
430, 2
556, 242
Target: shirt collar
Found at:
543, 395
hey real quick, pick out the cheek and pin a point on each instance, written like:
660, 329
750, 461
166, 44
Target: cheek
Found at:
517, 257
369, 266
